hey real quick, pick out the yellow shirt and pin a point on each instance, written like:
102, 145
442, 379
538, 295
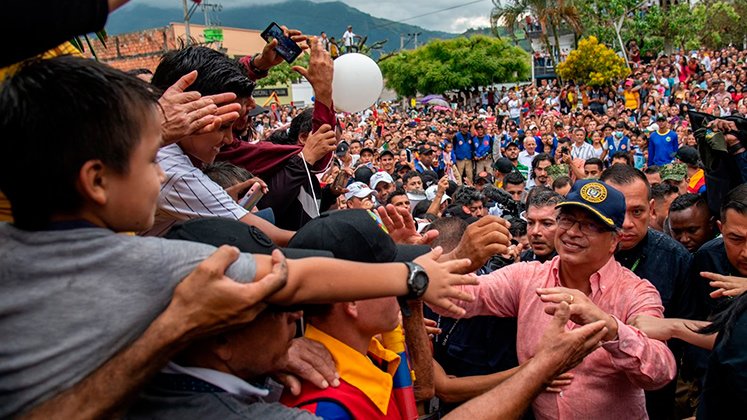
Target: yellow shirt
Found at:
357, 370
631, 99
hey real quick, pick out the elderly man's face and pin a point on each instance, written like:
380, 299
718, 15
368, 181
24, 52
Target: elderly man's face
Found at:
582, 239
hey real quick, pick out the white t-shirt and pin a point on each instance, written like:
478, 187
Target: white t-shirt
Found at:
514, 108
526, 159
348, 38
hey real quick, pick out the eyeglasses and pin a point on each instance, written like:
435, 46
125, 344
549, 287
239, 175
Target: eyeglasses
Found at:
586, 227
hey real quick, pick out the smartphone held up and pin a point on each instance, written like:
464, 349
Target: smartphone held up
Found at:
285, 47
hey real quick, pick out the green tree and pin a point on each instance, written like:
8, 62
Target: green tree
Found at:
593, 64
455, 64
552, 15
284, 74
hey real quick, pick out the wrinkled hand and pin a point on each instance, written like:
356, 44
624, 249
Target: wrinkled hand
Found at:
486, 237
722, 125
653, 327
582, 310
444, 278
270, 58
188, 113
443, 185
319, 144
208, 302
431, 327
563, 349
402, 228
319, 73
730, 286
235, 190
514, 252
309, 360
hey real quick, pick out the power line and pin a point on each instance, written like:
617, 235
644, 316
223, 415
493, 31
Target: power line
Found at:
428, 14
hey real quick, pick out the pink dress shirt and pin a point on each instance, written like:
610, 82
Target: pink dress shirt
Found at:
609, 383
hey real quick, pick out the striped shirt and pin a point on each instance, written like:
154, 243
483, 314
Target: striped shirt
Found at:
188, 193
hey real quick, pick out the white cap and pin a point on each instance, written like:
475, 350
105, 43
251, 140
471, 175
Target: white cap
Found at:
358, 189
430, 193
380, 177
653, 127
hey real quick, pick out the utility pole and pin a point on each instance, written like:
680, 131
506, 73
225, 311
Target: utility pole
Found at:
186, 23
416, 39
401, 41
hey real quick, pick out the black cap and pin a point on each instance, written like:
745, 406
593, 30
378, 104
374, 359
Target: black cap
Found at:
355, 235
661, 118
367, 149
620, 124
342, 148
219, 231
386, 152
425, 150
503, 165
363, 174
484, 176
512, 144
257, 110
688, 155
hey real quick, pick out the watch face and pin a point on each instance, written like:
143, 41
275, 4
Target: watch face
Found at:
420, 282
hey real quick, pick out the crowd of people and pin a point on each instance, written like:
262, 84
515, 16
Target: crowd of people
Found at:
544, 251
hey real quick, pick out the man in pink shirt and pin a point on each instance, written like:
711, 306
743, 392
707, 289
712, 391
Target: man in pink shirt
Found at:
609, 383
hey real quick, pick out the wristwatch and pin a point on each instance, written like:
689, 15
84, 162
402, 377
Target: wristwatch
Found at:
417, 281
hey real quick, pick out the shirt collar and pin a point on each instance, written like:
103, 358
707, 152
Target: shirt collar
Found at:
358, 370
599, 280
225, 381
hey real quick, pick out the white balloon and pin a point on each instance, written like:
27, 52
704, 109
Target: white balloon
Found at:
357, 82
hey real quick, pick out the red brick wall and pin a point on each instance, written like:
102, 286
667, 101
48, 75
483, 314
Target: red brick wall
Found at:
136, 49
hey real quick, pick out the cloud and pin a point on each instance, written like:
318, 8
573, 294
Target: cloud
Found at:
458, 19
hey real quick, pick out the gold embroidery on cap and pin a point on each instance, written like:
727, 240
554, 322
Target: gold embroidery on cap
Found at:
594, 192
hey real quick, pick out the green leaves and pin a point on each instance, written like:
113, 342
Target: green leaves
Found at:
283, 74
593, 64
455, 64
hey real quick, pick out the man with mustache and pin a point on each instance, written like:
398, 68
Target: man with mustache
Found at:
541, 218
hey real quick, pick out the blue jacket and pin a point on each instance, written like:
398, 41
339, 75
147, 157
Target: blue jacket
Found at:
484, 146
624, 145
464, 148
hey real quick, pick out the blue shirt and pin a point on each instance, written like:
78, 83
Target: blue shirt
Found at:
463, 146
662, 148
484, 145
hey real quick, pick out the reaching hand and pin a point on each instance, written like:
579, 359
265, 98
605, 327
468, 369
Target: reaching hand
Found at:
234, 190
582, 310
653, 327
319, 144
564, 349
208, 302
444, 278
188, 113
402, 228
730, 286
270, 58
310, 360
486, 237
319, 73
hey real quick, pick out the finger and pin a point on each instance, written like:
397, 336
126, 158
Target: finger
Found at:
552, 290
561, 316
302, 71
591, 331
182, 98
554, 298
733, 292
385, 219
712, 276
436, 253
455, 266
204, 125
717, 293
323, 129
221, 98
460, 295
197, 113
290, 382
451, 307
199, 104
720, 284
395, 217
218, 262
227, 118
183, 83
429, 237
227, 109
429, 322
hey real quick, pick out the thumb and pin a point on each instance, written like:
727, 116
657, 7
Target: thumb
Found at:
436, 253
323, 129
302, 71
562, 315
183, 83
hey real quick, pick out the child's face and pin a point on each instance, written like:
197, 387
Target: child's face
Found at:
131, 197
206, 147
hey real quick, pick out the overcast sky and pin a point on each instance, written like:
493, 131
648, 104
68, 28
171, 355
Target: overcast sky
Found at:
454, 20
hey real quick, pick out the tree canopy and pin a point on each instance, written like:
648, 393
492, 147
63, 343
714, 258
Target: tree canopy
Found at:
455, 64
283, 74
593, 63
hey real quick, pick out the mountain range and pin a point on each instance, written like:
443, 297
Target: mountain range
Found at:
309, 17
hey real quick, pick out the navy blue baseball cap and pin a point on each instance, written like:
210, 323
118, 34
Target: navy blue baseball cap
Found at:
603, 201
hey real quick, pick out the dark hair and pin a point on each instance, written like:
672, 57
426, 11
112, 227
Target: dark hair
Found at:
541, 157
98, 113
450, 232
543, 197
724, 321
685, 201
624, 175
662, 190
226, 174
735, 200
301, 124
653, 169
411, 174
216, 73
561, 182
595, 161
518, 227
280, 137
465, 195
622, 154
514, 178
420, 209
138, 72
396, 193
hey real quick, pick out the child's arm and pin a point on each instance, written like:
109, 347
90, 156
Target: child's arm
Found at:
325, 280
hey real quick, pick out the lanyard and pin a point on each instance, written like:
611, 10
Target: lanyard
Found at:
448, 334
635, 264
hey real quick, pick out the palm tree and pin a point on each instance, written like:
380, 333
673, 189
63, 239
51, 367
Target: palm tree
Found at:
549, 13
